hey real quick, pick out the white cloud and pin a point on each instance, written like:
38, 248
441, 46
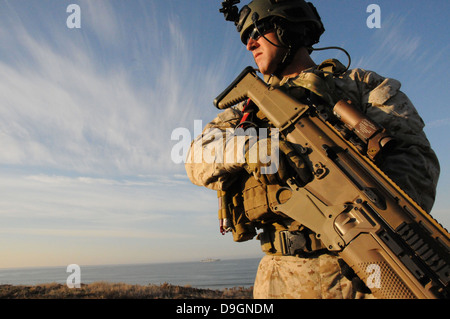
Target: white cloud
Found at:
438, 123
95, 233
391, 44
100, 17
95, 198
66, 108
86, 118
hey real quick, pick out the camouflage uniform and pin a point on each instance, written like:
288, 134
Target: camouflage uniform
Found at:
291, 277
412, 165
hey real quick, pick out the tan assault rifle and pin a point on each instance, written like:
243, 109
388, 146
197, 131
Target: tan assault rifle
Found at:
390, 242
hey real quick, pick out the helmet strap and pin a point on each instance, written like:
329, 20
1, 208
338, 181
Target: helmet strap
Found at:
292, 49
287, 59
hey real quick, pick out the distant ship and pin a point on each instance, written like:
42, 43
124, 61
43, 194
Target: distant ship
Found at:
209, 260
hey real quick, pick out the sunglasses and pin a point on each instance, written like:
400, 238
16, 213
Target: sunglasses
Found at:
258, 31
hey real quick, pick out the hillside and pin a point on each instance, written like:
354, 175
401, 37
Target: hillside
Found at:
103, 290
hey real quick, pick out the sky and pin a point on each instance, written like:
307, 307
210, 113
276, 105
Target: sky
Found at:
87, 117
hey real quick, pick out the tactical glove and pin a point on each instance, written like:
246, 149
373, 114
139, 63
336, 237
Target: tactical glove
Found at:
273, 161
263, 160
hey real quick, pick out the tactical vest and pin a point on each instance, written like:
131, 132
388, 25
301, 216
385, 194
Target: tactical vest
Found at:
250, 206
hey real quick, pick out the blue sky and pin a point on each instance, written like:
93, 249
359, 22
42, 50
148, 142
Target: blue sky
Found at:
86, 117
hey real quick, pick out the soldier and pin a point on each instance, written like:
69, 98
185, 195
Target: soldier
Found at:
280, 35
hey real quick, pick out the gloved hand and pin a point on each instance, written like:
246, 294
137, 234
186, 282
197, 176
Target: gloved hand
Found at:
264, 160
296, 162
273, 161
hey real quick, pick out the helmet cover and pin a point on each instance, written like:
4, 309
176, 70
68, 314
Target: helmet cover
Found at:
297, 13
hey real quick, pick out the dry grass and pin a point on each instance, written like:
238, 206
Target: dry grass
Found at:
104, 290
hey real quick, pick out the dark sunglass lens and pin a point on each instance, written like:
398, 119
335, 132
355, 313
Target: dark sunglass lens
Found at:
254, 35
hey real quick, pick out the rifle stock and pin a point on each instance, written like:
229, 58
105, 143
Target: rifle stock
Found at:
390, 242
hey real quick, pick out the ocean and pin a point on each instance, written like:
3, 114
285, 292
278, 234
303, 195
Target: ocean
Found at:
219, 274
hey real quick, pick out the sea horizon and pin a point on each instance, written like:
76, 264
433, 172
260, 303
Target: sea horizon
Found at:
220, 274
132, 263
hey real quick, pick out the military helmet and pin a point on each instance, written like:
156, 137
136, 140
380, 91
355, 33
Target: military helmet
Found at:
293, 17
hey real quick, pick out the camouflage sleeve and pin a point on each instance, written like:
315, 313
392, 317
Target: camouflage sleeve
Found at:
213, 158
413, 165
